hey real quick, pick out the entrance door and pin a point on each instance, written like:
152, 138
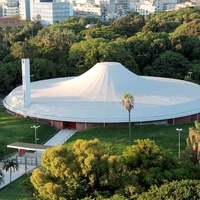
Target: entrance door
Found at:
71, 124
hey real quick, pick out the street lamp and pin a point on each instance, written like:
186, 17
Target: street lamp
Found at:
179, 142
190, 73
35, 127
31, 77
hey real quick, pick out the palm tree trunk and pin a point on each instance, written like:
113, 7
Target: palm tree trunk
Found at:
10, 177
129, 120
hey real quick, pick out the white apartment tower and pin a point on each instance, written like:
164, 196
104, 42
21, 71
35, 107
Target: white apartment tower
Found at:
51, 11
24, 9
146, 7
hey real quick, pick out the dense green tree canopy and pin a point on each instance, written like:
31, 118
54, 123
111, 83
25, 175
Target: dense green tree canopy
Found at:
160, 26
106, 32
10, 75
187, 45
129, 25
42, 68
146, 47
86, 54
89, 172
84, 171
140, 43
190, 28
169, 64
179, 190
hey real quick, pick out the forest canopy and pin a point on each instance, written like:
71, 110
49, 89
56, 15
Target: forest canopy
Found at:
146, 45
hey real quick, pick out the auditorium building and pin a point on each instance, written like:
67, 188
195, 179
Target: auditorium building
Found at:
94, 98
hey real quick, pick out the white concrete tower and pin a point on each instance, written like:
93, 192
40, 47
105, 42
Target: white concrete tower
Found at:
26, 81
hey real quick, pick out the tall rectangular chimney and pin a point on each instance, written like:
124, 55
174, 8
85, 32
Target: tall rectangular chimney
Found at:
26, 82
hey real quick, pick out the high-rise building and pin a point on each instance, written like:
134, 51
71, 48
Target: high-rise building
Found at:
124, 3
49, 11
24, 9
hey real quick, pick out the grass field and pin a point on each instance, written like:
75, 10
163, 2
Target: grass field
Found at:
15, 129
115, 139
15, 192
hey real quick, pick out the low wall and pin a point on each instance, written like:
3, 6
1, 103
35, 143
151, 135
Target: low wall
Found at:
79, 126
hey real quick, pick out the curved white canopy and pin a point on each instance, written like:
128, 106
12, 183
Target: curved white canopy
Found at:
95, 96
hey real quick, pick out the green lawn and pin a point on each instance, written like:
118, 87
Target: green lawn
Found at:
115, 139
15, 129
15, 192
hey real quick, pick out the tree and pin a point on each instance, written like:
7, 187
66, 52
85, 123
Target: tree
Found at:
24, 49
146, 47
11, 166
128, 103
106, 32
3, 52
28, 186
43, 69
55, 36
189, 154
186, 45
151, 164
160, 26
5, 33
85, 171
10, 75
190, 28
78, 52
195, 76
170, 65
194, 138
179, 190
129, 25
38, 18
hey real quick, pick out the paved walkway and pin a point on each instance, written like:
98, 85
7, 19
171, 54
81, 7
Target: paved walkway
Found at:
61, 137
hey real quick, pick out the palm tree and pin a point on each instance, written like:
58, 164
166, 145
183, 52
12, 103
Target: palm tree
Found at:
1, 177
194, 138
128, 102
11, 166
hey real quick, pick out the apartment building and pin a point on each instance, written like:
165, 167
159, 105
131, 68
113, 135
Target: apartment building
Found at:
24, 9
50, 11
146, 7
8, 8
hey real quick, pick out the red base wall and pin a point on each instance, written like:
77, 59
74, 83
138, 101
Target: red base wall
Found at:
81, 125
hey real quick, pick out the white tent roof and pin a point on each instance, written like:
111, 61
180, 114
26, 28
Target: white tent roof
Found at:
95, 96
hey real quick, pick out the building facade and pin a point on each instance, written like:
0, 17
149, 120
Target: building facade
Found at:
146, 7
9, 11
24, 9
50, 11
8, 8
